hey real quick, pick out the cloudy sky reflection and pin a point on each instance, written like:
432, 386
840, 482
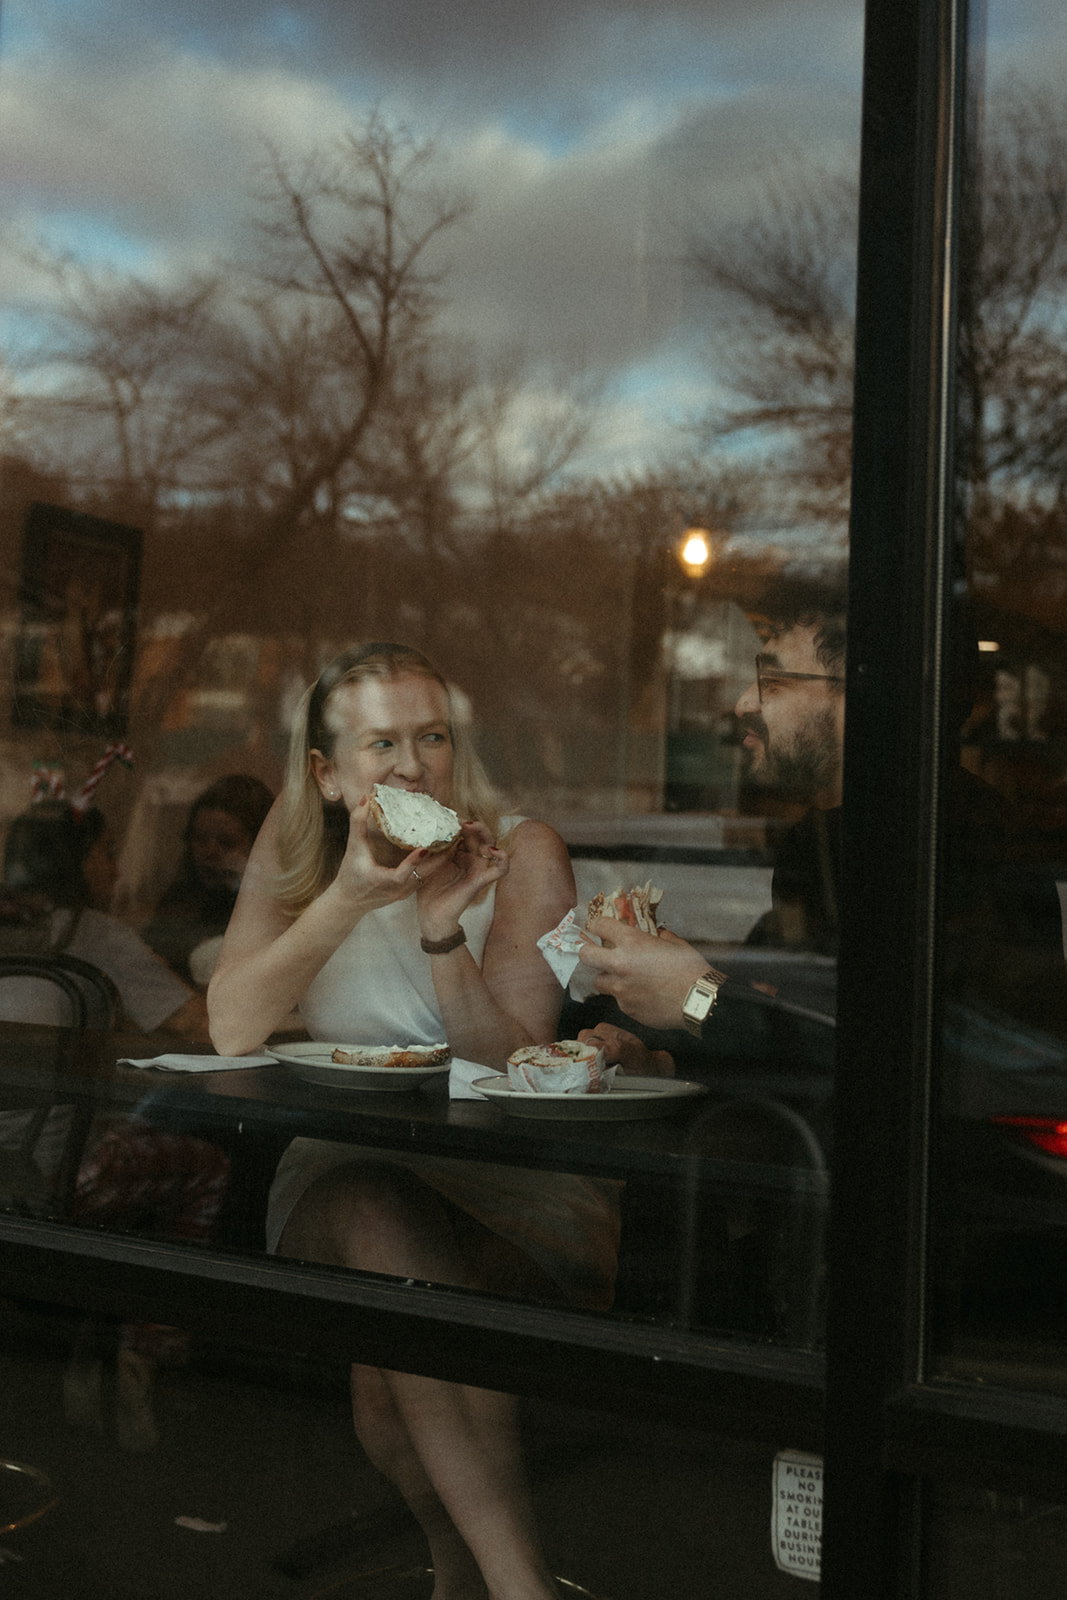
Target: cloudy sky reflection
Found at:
591, 136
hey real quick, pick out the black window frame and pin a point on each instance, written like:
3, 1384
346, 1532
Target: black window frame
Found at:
891, 1429
885, 1427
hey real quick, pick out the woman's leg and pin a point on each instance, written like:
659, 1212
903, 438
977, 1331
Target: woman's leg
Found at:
453, 1450
384, 1436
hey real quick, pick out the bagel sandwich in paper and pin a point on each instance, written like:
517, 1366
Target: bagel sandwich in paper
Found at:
566, 1067
636, 907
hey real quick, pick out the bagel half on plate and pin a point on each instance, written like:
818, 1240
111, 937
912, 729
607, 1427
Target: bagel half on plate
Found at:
396, 1055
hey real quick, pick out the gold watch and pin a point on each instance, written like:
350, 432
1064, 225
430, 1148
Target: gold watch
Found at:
699, 1003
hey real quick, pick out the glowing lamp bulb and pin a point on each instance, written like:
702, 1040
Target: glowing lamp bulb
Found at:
695, 551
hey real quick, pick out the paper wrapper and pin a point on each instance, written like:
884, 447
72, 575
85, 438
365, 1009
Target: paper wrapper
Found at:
560, 949
563, 1068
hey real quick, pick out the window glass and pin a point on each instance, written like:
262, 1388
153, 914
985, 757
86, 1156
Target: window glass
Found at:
525, 345
1004, 1161
520, 338
983, 1542
238, 1474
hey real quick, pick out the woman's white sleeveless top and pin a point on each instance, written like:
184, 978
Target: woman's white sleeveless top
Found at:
377, 988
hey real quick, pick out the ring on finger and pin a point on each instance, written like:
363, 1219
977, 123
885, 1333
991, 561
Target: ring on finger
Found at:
415, 875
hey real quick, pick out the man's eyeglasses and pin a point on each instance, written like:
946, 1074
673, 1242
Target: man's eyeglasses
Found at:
770, 677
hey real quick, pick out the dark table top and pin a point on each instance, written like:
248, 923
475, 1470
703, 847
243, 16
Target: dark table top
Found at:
273, 1101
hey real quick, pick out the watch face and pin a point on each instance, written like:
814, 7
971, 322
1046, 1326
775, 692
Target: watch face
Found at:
703, 994
699, 1001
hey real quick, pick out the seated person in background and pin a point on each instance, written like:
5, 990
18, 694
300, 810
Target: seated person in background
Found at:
378, 945
59, 874
188, 923
67, 861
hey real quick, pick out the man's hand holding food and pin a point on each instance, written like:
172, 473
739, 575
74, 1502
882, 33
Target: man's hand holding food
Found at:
648, 974
627, 1052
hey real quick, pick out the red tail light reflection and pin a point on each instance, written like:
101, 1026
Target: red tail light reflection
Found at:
1044, 1133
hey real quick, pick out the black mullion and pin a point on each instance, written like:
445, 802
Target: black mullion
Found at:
899, 544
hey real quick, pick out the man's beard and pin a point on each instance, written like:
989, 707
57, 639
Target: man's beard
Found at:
804, 766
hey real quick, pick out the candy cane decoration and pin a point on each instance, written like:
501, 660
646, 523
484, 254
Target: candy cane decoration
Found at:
47, 783
116, 751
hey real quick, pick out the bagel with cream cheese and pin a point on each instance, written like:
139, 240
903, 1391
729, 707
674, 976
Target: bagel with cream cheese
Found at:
413, 821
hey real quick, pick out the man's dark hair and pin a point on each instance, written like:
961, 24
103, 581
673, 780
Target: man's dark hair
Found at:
819, 603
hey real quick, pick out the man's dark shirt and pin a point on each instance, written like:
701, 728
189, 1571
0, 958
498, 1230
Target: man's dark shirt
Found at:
1002, 926
1002, 947
805, 888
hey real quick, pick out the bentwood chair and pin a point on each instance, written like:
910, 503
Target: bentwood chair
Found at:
42, 1137
42, 1130
754, 1251
57, 989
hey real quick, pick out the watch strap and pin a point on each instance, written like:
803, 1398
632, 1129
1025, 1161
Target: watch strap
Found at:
441, 947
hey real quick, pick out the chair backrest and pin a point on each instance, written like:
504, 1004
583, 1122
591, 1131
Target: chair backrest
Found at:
39, 988
43, 1128
58, 989
103, 1005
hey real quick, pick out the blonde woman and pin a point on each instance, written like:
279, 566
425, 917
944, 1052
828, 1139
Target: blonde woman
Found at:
375, 946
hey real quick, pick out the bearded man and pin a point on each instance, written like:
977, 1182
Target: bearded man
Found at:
1003, 944
792, 720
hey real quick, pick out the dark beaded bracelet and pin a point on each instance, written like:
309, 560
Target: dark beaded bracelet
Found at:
441, 947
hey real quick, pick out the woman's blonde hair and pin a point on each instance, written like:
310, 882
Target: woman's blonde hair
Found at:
312, 831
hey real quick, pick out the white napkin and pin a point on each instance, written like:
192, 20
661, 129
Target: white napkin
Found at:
461, 1075
177, 1063
560, 949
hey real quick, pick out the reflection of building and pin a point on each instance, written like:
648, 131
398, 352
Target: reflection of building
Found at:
709, 653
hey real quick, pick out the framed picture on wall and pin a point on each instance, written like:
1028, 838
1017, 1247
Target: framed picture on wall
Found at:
74, 648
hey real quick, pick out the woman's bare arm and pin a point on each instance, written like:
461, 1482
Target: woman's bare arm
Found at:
515, 998
268, 958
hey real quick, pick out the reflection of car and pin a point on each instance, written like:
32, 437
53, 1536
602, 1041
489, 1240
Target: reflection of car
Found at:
1001, 1173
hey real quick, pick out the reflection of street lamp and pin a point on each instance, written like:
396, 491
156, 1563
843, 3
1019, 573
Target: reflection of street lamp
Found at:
694, 551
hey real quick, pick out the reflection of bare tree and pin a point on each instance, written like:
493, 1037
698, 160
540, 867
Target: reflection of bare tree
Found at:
347, 303
786, 348
281, 429
257, 414
788, 275
124, 361
1013, 330
314, 462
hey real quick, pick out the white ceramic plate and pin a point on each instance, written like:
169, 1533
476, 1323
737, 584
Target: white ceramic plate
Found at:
627, 1098
312, 1062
